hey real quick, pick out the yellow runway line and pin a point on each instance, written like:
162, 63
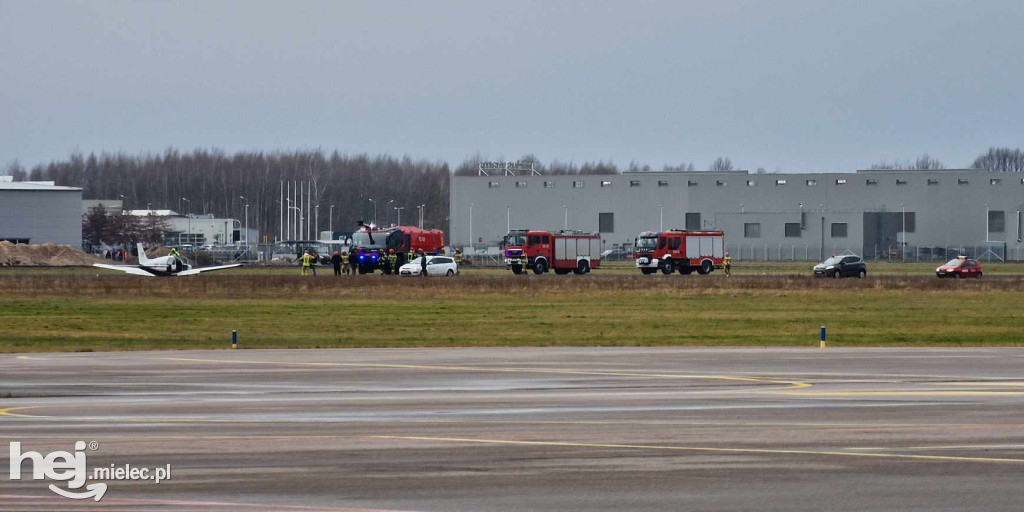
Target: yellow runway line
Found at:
556, 371
703, 449
8, 412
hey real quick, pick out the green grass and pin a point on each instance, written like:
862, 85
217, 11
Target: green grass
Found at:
81, 312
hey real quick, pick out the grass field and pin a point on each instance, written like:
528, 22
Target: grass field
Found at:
76, 310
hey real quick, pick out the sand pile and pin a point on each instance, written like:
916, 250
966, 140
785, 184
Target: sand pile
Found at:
47, 254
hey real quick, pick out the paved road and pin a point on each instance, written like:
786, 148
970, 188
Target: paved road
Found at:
528, 429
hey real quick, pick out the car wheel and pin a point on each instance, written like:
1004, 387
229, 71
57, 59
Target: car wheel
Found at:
450, 273
666, 267
862, 273
539, 267
837, 274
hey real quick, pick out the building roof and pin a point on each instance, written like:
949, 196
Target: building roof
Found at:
34, 185
157, 213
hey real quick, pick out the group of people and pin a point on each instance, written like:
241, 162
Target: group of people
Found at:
347, 263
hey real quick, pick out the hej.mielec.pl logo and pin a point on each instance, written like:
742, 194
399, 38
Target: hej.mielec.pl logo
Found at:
70, 467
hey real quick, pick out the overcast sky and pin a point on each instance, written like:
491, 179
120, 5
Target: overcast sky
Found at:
793, 85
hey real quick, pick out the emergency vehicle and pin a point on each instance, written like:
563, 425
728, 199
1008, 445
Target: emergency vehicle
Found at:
369, 239
685, 251
561, 251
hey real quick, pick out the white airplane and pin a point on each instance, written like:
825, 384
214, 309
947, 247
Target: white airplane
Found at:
162, 266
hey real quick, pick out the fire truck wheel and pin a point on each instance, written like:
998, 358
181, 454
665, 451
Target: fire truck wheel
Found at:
647, 271
539, 267
667, 267
582, 268
517, 269
705, 267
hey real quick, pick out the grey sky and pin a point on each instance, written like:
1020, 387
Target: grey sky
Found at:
795, 85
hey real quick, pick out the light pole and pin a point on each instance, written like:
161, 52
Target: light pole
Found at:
508, 218
387, 212
661, 215
471, 239
246, 222
986, 224
330, 222
374, 211
421, 214
188, 214
316, 222
299, 216
903, 247
566, 208
399, 208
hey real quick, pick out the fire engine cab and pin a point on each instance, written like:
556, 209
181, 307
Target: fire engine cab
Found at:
561, 251
402, 239
685, 251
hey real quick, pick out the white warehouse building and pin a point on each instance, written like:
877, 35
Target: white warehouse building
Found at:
875, 213
36, 212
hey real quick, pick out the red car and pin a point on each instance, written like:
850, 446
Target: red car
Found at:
960, 267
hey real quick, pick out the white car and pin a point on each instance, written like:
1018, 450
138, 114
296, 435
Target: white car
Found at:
436, 266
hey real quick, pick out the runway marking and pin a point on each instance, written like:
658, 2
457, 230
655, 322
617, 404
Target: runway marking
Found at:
898, 392
556, 371
117, 502
7, 412
949, 447
995, 384
704, 449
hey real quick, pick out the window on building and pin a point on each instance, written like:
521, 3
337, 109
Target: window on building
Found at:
811, 183
606, 222
634, 183
871, 182
693, 221
910, 221
691, 183
752, 230
901, 182
780, 183
549, 184
577, 184
520, 184
933, 181
792, 230
961, 181
994, 181
839, 230
493, 184
606, 184
720, 183
996, 221
751, 183
662, 183
841, 182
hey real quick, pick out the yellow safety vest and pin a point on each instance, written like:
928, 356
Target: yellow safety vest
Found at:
306, 259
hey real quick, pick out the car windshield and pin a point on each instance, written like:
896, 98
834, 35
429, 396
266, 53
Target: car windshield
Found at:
955, 262
834, 260
362, 239
646, 242
515, 240
415, 262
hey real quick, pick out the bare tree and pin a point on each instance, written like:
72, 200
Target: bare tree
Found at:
1001, 160
922, 163
721, 164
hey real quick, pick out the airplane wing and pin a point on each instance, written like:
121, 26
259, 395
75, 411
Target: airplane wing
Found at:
130, 269
194, 271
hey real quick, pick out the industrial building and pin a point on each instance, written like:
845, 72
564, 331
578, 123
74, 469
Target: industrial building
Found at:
915, 214
36, 212
199, 230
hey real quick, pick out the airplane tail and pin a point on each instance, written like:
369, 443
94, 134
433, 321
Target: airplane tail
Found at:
142, 255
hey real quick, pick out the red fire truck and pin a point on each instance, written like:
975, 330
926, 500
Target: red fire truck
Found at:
685, 251
403, 239
561, 251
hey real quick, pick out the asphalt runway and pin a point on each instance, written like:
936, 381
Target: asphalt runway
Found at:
527, 429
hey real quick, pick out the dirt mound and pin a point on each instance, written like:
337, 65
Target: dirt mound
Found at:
47, 254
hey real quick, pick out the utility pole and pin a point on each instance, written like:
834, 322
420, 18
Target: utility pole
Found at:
472, 240
399, 209
374, 211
